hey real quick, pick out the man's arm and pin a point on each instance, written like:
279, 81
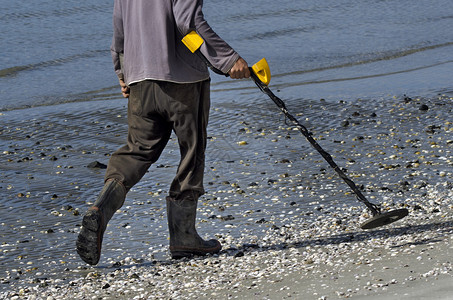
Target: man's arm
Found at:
117, 47
189, 16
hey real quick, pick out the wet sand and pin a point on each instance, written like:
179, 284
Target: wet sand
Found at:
288, 224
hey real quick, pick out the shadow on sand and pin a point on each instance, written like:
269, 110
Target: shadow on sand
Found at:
441, 229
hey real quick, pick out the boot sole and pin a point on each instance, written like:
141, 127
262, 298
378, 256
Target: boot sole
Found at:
89, 240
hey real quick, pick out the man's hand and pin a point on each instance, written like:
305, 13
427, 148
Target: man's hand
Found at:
240, 70
124, 89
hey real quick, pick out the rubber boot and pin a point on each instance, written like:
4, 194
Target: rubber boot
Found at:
89, 241
184, 239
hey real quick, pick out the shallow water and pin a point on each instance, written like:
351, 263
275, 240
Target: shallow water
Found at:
58, 52
360, 58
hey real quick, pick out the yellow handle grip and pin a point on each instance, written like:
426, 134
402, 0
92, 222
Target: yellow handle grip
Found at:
262, 71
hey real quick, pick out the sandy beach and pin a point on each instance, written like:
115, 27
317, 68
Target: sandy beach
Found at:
290, 228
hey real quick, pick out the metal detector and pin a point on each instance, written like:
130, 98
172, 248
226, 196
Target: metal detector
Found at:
379, 218
261, 75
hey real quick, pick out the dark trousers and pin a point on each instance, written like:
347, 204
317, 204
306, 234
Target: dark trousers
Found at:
156, 108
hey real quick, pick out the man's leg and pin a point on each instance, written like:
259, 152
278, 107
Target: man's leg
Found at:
191, 106
147, 137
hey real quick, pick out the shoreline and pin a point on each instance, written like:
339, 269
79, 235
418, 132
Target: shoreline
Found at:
289, 226
398, 262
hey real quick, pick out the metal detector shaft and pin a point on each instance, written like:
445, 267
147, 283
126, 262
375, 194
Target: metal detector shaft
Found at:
265, 89
193, 41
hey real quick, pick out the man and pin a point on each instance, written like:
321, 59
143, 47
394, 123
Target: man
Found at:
168, 90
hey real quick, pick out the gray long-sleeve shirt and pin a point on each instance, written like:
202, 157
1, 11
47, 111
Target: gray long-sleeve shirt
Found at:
149, 33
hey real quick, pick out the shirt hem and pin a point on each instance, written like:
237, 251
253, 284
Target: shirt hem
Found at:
168, 80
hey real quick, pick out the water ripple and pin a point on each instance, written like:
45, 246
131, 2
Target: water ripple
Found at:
55, 62
389, 55
42, 14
